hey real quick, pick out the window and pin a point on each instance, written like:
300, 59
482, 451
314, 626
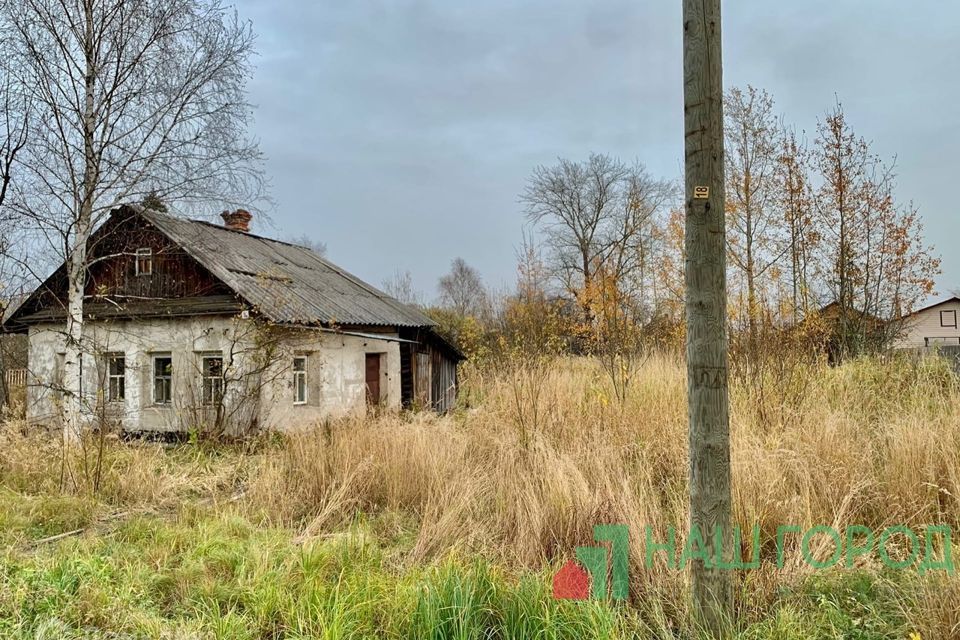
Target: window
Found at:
300, 380
162, 379
115, 377
212, 367
144, 261
948, 319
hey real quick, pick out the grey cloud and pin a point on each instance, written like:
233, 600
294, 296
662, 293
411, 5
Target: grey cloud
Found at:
422, 119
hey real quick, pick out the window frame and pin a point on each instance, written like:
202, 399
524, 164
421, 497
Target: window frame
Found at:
952, 313
116, 381
211, 386
300, 380
144, 255
168, 378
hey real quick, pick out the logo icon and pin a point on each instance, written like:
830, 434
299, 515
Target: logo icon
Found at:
602, 571
571, 582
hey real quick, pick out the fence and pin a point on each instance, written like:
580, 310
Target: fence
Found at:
950, 352
15, 378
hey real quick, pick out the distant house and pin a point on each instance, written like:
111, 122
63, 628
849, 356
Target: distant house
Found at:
862, 330
935, 325
191, 324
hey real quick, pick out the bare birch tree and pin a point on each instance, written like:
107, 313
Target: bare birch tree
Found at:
462, 290
629, 251
400, 286
573, 203
13, 138
14, 120
127, 98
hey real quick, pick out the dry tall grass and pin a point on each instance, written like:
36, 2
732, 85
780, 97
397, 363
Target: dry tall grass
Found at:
547, 453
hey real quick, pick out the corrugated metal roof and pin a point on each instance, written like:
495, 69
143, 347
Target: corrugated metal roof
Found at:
197, 306
287, 283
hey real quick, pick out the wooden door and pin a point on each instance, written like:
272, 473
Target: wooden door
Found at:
373, 378
422, 378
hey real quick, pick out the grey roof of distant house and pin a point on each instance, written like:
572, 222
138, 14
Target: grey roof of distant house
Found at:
287, 283
933, 305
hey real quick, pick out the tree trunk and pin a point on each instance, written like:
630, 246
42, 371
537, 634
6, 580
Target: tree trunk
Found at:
794, 255
74, 340
587, 287
77, 258
706, 308
751, 279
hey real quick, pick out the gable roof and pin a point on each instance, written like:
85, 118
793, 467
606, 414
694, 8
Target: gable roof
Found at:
286, 283
933, 306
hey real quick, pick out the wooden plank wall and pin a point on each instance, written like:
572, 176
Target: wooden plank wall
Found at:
174, 275
443, 382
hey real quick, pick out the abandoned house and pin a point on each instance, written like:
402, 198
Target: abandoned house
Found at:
192, 325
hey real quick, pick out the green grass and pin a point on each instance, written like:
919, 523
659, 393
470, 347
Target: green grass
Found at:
25, 517
854, 606
228, 579
220, 576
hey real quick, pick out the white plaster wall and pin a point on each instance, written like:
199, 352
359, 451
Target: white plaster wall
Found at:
43, 344
336, 379
335, 371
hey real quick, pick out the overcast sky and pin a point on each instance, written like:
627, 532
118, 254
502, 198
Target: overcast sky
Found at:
401, 133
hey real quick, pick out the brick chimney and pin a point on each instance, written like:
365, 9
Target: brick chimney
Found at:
238, 220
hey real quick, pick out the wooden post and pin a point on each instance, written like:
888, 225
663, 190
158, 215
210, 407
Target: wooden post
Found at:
705, 238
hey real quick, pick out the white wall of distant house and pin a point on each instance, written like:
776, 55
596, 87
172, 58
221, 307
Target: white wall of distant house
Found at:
930, 327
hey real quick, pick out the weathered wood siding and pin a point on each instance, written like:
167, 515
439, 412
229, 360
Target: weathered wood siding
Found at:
428, 372
113, 283
443, 382
174, 273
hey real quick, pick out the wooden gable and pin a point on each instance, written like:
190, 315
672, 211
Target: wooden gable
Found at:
175, 283
117, 268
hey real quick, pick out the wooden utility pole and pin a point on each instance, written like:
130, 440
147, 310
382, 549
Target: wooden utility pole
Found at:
706, 292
